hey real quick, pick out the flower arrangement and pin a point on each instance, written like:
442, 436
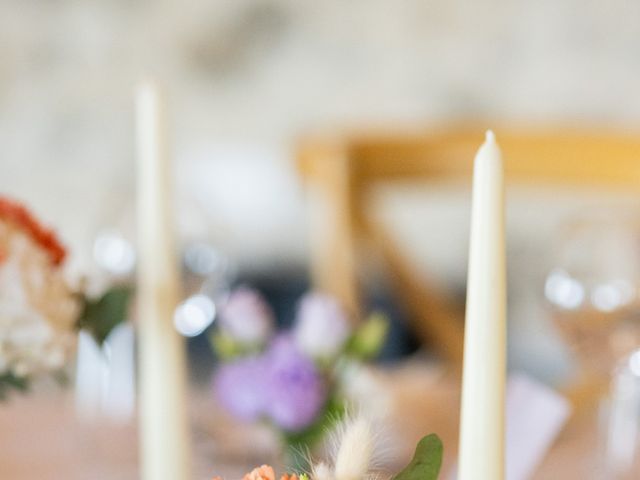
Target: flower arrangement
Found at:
290, 379
39, 312
355, 455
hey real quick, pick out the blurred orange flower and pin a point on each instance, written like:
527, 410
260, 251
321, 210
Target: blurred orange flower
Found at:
265, 472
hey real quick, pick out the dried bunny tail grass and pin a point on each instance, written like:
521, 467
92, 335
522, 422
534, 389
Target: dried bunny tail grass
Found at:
321, 471
304, 454
356, 448
354, 456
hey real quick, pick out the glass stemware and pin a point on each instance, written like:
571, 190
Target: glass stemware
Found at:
593, 293
593, 290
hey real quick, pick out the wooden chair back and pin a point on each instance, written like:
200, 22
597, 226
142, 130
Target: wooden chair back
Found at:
341, 171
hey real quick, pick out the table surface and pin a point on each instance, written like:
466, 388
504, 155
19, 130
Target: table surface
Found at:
41, 436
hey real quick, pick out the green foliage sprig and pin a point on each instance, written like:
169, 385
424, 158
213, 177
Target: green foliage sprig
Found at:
101, 315
426, 462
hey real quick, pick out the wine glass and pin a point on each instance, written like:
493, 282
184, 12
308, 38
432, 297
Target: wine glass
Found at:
593, 291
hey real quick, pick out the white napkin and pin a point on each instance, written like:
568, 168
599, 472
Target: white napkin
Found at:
535, 415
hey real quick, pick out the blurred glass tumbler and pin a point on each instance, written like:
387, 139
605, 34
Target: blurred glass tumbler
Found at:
593, 288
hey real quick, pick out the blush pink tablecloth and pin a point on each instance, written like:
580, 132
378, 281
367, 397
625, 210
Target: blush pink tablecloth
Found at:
41, 437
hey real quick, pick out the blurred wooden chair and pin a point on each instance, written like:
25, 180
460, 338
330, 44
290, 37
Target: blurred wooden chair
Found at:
341, 172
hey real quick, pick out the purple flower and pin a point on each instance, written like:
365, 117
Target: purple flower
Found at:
282, 384
239, 387
322, 326
295, 390
246, 317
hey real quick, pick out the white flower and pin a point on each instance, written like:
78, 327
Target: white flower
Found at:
37, 309
246, 317
322, 327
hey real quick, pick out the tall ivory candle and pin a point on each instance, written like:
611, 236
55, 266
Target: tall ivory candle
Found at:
164, 449
482, 427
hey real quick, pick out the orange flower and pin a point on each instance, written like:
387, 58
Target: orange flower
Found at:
265, 472
16, 214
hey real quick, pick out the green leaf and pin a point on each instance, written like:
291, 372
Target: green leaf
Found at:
224, 346
9, 382
102, 315
426, 461
369, 338
332, 413
298, 443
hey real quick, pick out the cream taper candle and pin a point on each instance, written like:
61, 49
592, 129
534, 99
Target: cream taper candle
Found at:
482, 428
164, 445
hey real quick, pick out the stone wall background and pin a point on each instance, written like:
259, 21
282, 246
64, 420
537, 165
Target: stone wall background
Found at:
246, 77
